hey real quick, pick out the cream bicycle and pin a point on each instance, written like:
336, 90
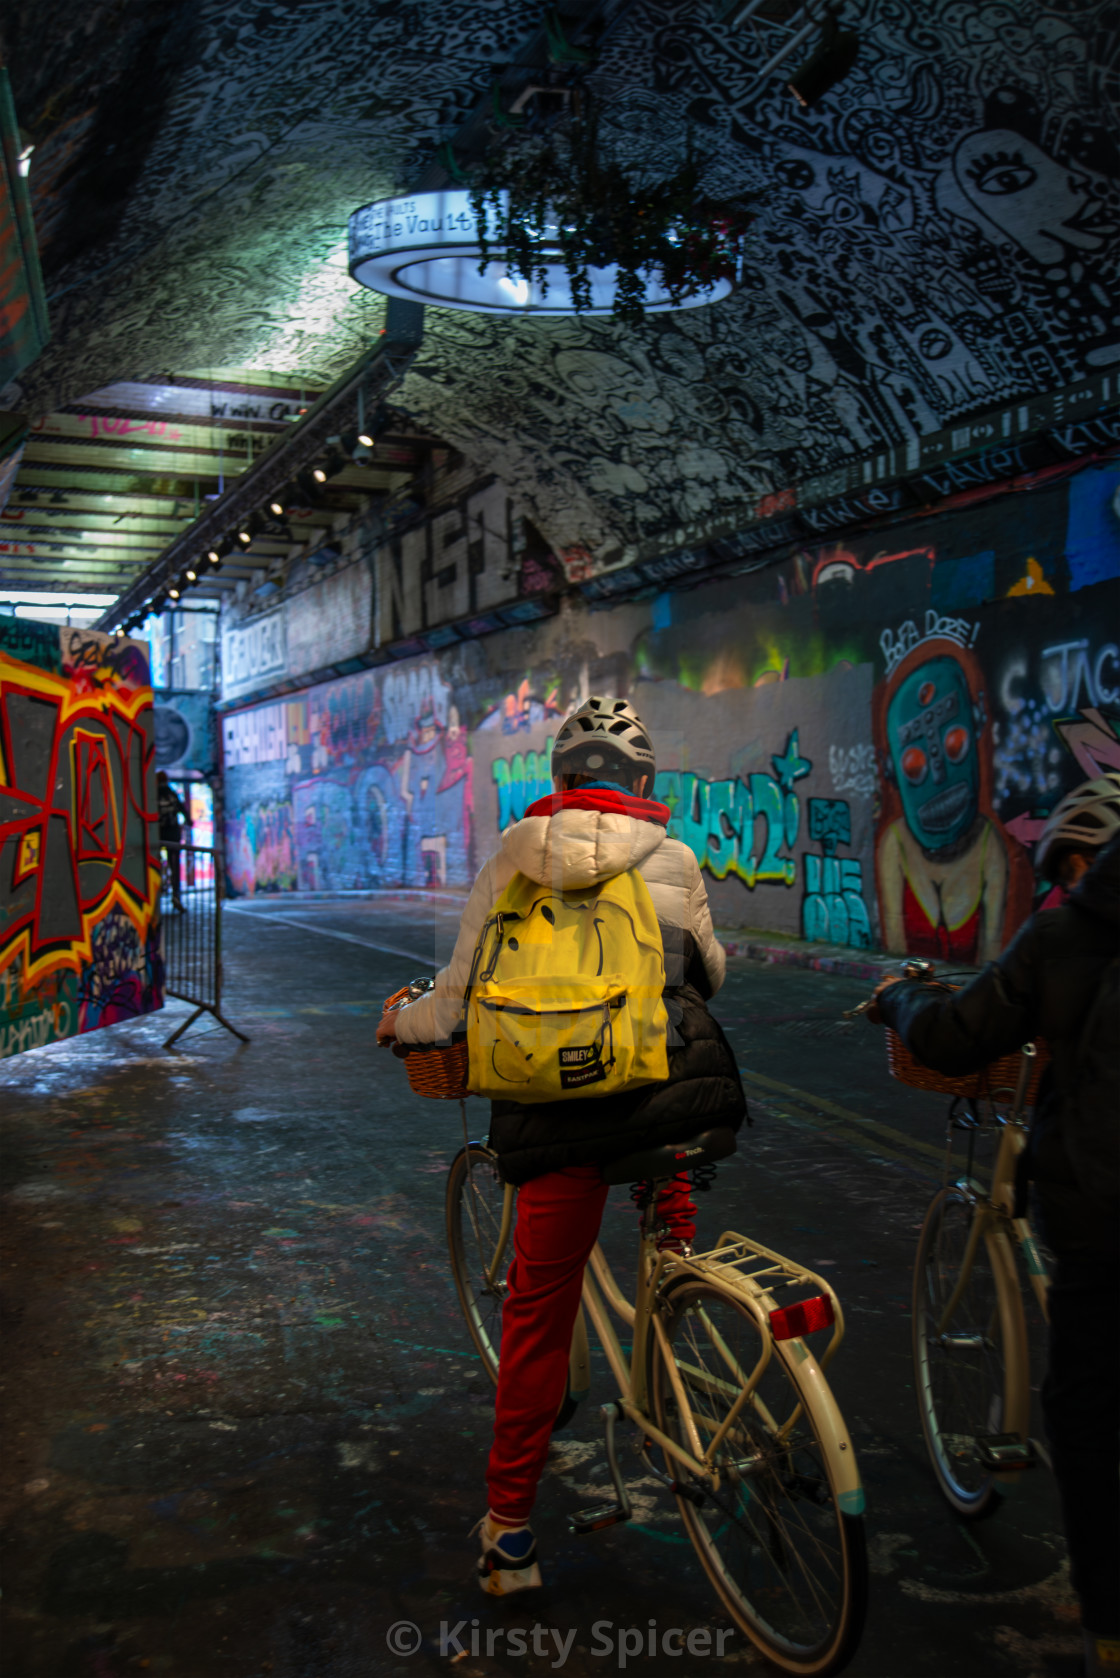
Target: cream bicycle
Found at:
970, 1343
732, 1412
971, 1351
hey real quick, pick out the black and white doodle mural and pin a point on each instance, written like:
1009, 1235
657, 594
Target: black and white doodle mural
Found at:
940, 235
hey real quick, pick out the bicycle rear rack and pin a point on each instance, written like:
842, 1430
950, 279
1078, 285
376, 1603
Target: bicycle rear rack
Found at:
760, 1272
744, 1266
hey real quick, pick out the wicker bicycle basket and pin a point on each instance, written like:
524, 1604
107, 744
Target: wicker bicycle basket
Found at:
998, 1078
439, 1073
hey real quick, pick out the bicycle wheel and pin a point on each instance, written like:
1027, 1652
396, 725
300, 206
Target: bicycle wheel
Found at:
474, 1205
960, 1365
789, 1564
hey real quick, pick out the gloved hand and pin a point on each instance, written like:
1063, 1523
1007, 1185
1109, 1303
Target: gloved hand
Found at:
872, 1012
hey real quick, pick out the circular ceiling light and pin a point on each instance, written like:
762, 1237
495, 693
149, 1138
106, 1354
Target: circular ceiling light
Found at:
425, 248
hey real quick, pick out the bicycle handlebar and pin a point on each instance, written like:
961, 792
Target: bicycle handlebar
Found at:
408, 993
915, 967
401, 999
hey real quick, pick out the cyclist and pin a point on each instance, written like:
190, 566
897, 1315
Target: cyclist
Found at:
172, 811
1058, 980
597, 823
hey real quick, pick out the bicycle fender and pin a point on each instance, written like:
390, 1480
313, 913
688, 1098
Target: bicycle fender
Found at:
828, 1423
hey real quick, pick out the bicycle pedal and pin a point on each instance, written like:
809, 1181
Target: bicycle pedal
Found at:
1004, 1452
593, 1520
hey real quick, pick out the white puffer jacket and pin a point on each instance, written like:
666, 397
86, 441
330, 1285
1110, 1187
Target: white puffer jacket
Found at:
571, 850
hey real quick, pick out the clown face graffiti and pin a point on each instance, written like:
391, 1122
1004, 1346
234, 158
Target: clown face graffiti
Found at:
931, 734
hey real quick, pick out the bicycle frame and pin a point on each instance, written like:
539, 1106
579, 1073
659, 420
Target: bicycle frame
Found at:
992, 1228
740, 1267
994, 1212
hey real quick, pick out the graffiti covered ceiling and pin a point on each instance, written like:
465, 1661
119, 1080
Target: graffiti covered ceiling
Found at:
938, 236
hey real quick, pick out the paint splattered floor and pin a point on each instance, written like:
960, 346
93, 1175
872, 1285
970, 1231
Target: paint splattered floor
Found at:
244, 1429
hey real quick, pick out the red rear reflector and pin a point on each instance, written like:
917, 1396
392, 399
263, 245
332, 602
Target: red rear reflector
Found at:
802, 1318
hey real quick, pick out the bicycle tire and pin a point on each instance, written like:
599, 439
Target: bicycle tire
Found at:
473, 1210
788, 1562
966, 1387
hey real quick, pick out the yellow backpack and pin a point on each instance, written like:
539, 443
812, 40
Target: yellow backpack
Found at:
566, 990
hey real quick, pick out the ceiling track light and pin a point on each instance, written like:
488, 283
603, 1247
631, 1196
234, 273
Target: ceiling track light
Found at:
173, 594
276, 507
355, 443
331, 467
214, 556
191, 576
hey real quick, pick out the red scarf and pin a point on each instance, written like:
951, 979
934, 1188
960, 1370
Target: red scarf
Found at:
607, 803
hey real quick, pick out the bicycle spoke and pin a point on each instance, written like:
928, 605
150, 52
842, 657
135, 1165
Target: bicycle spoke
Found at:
959, 1362
769, 1532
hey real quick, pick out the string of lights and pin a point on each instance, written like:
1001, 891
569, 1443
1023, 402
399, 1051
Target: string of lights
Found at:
290, 479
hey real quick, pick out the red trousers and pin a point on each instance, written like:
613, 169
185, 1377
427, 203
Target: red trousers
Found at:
558, 1218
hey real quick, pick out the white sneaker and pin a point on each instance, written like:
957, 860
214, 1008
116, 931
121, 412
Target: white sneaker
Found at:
509, 1558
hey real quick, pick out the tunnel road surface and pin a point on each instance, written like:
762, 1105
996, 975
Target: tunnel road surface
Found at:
245, 1431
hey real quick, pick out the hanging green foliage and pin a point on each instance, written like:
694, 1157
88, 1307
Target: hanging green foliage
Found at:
537, 196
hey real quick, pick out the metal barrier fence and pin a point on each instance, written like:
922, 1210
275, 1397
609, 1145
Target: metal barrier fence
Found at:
191, 907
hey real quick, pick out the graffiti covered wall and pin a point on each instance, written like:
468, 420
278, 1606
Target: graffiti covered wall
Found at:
859, 743
470, 556
362, 782
79, 871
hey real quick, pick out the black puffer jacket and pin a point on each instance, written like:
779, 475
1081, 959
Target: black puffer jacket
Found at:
1044, 984
573, 841
703, 1089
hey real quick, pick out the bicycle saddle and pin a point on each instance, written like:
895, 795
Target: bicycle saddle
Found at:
666, 1161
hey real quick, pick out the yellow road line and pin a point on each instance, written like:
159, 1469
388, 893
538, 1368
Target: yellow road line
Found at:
889, 1140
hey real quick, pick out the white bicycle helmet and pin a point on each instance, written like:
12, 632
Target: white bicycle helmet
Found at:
605, 738
1084, 819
